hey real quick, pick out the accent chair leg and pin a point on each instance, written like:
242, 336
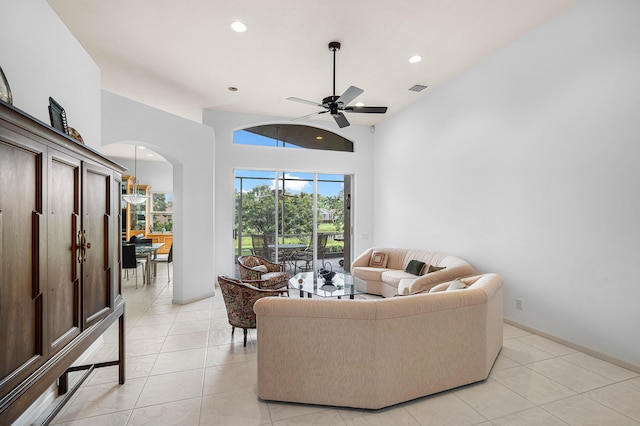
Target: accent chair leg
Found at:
245, 337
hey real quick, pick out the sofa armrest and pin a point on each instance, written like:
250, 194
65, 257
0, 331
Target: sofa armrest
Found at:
363, 259
426, 282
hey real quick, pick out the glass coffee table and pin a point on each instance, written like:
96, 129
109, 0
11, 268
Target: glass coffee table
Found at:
342, 284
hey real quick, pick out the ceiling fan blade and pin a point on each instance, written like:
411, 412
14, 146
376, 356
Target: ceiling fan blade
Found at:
304, 117
341, 120
350, 94
366, 109
304, 101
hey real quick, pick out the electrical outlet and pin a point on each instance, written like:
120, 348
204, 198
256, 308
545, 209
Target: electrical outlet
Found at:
519, 304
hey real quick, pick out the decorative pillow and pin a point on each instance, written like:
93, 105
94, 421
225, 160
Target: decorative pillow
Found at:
414, 267
456, 285
378, 259
261, 268
427, 269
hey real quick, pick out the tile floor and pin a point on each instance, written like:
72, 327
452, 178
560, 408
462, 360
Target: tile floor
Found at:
184, 368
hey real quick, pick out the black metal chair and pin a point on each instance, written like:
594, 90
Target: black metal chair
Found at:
143, 241
306, 255
130, 261
161, 258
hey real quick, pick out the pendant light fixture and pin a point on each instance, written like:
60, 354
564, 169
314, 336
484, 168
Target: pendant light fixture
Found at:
135, 197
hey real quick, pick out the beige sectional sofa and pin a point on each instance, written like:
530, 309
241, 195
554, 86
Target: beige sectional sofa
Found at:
389, 277
376, 353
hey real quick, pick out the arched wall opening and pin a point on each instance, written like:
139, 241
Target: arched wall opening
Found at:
189, 148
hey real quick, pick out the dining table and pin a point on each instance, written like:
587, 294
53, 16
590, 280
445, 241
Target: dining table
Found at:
286, 252
148, 252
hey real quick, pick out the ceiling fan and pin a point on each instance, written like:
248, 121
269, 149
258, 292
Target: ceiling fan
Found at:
335, 105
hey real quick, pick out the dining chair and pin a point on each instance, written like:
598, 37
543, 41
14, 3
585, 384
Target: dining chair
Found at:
130, 261
239, 298
143, 241
162, 258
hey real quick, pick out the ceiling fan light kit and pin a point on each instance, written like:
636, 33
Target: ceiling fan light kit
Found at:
336, 105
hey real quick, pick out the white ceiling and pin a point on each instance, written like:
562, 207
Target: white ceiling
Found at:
182, 56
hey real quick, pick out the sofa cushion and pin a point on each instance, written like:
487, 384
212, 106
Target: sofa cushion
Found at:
368, 273
378, 259
392, 277
414, 267
260, 268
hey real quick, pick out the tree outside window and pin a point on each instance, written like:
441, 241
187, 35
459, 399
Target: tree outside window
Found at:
162, 212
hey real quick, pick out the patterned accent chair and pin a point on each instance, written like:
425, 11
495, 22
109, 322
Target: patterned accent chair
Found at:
264, 273
239, 299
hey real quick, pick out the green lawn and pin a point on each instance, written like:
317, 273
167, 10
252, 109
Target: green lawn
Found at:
332, 245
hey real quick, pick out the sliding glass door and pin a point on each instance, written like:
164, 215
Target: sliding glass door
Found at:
292, 218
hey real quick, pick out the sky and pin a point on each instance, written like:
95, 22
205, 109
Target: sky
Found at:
295, 182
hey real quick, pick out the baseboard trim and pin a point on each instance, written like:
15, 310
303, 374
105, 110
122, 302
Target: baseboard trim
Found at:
196, 299
588, 351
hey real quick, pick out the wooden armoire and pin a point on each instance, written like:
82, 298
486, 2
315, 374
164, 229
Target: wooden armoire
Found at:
60, 248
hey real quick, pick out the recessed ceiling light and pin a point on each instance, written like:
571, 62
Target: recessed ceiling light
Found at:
238, 26
141, 147
415, 59
319, 138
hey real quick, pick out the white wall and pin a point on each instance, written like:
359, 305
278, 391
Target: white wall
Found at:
41, 58
230, 157
526, 165
189, 147
158, 174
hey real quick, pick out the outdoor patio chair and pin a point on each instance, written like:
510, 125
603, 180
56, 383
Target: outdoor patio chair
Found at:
306, 256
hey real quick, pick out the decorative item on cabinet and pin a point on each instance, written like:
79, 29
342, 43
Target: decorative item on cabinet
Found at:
5, 89
58, 116
75, 134
59, 259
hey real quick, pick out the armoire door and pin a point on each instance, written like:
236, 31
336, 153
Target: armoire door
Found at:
95, 243
22, 244
63, 266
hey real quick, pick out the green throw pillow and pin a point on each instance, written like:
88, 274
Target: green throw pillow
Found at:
414, 267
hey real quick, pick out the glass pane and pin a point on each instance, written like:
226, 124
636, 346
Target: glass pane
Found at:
330, 221
292, 136
275, 218
255, 212
162, 212
295, 215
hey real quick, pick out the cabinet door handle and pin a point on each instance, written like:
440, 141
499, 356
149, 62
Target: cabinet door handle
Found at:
83, 246
80, 248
